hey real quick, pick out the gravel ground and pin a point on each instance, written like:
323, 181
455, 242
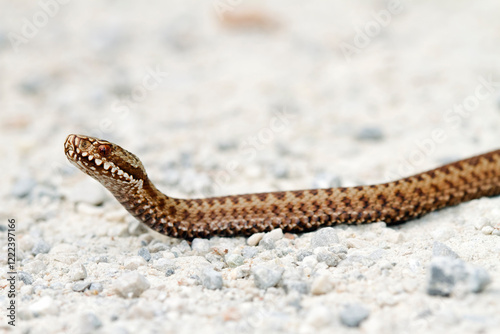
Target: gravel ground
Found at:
224, 97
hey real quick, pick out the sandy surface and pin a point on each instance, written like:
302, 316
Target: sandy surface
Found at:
226, 97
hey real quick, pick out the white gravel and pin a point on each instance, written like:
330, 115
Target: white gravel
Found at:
271, 96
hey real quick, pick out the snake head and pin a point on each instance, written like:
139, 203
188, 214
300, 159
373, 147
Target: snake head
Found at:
104, 161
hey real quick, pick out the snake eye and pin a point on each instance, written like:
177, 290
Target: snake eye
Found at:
84, 144
104, 150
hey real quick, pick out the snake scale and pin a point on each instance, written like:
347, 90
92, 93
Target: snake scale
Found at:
122, 173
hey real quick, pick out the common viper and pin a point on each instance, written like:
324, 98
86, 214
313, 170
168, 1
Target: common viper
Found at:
123, 174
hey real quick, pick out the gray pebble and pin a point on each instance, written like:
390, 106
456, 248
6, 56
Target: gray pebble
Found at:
303, 254
226, 145
324, 237
96, 287
158, 247
40, 247
89, 323
131, 285
269, 240
23, 187
267, 243
211, 279
215, 260
80, 286
144, 252
296, 285
184, 246
234, 260
353, 314
448, 275
440, 249
266, 277
169, 272
249, 252
478, 279
163, 264
200, 246
370, 133
25, 277
331, 259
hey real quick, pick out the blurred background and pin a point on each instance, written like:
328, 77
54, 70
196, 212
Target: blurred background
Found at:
223, 96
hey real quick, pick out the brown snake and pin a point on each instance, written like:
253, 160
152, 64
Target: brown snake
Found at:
124, 176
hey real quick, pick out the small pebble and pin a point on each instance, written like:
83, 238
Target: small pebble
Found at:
254, 239
322, 284
211, 279
184, 246
226, 145
487, 230
353, 315
266, 277
78, 272
267, 243
96, 287
302, 254
163, 264
40, 247
234, 260
370, 133
324, 237
448, 275
331, 259
89, 323
200, 246
275, 234
296, 285
80, 286
144, 252
131, 285
44, 306
134, 262
158, 247
440, 249
249, 252
35, 267
25, 277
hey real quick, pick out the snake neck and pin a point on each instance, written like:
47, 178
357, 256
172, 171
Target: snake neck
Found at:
145, 202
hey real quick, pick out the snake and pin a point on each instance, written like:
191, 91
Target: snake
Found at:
123, 174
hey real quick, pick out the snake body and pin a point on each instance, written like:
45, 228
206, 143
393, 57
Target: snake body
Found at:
122, 173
